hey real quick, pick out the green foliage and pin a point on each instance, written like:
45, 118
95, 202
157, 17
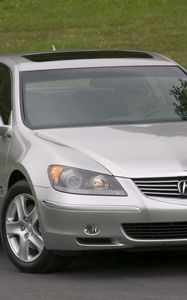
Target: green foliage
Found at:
180, 94
154, 25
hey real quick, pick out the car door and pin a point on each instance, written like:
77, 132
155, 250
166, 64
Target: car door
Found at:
5, 111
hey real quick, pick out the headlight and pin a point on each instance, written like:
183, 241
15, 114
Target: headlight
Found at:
79, 181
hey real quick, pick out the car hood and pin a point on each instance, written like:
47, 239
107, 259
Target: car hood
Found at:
132, 151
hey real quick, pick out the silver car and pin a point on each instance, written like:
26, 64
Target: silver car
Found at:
93, 154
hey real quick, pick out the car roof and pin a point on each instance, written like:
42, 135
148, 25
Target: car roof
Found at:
84, 59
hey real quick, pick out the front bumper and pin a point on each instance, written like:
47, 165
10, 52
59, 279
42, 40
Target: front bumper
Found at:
63, 218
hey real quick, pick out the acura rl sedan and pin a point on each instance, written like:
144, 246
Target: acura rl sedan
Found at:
93, 154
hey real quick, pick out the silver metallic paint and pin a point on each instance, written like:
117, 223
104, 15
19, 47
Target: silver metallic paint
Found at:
125, 151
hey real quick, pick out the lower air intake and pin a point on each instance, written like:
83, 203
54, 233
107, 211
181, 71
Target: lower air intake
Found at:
156, 231
94, 241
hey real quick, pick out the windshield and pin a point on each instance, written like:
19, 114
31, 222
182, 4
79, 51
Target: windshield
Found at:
102, 96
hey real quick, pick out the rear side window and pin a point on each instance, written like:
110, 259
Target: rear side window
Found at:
5, 93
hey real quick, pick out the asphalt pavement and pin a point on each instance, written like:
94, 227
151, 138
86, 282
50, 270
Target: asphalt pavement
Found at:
147, 276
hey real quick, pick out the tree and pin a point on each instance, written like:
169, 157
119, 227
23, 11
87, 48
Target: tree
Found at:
180, 94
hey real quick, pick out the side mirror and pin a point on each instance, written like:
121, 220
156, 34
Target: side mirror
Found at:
4, 129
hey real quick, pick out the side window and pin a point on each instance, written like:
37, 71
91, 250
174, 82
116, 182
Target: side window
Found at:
5, 93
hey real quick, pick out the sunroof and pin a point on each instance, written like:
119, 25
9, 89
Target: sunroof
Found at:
71, 55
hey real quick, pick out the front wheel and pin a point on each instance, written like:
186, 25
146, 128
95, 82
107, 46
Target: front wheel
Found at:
21, 234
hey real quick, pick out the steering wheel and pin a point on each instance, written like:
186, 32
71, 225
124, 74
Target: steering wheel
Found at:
155, 111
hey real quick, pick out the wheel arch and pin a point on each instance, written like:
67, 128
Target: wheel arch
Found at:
15, 176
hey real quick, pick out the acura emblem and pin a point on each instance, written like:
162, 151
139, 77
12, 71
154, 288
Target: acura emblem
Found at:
182, 187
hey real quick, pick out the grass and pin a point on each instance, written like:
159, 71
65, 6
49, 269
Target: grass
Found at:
154, 25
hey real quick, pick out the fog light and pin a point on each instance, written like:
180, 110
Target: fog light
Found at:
91, 229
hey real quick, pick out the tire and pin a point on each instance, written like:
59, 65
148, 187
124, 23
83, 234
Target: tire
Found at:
21, 236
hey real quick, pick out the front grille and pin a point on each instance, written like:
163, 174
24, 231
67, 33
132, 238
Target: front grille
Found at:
156, 231
162, 187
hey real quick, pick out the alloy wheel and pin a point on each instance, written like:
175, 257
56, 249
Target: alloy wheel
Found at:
22, 228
